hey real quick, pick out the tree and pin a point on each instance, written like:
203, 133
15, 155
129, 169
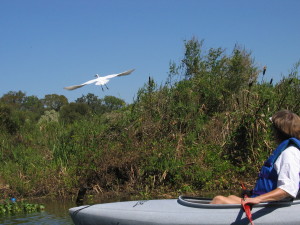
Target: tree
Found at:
192, 57
92, 101
33, 104
13, 98
214, 78
54, 101
113, 103
74, 111
6, 121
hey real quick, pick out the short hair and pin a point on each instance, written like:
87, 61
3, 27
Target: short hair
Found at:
287, 125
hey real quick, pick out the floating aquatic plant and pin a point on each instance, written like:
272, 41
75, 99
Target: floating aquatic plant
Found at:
11, 207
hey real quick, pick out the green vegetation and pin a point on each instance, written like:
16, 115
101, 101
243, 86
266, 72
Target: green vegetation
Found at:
8, 207
205, 129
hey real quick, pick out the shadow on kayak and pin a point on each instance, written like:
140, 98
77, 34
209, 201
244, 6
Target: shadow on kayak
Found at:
245, 221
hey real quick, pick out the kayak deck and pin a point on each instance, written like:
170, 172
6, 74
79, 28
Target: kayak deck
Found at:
183, 211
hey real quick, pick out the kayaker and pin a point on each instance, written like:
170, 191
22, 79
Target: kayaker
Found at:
279, 176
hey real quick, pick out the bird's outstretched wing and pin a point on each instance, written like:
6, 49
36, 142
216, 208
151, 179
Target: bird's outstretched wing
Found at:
74, 87
80, 85
119, 74
126, 72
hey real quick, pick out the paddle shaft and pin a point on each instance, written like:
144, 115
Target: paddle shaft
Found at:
245, 206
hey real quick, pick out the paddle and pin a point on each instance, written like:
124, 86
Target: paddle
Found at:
246, 207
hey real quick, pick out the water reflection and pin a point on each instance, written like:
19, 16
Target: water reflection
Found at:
36, 218
56, 213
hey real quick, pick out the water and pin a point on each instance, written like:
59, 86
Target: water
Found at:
55, 213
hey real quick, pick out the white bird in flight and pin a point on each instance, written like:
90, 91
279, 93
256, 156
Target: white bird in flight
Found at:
100, 80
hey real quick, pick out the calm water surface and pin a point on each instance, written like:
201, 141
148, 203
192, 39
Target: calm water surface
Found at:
56, 212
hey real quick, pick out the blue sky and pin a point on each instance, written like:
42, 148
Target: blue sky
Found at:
47, 45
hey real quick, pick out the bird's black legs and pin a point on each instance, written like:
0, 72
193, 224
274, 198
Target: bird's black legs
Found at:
105, 86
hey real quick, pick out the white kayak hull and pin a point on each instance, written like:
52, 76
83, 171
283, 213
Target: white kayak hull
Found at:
184, 211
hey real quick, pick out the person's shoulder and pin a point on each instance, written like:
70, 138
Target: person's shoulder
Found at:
292, 151
292, 148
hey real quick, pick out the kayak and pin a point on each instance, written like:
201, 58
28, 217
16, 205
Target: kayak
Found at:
184, 211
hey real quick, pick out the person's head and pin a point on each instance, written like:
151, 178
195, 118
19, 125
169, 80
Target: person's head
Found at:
286, 124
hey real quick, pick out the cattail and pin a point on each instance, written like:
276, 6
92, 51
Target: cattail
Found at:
264, 70
271, 81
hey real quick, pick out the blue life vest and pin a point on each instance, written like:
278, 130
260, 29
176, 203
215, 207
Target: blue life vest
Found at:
267, 179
